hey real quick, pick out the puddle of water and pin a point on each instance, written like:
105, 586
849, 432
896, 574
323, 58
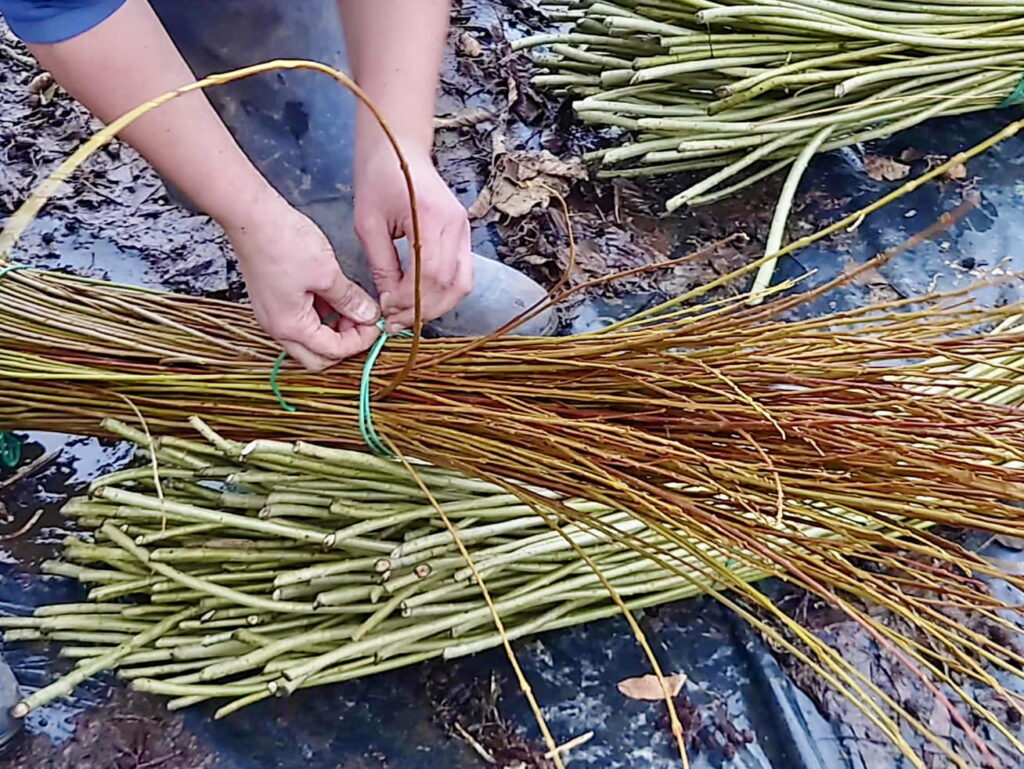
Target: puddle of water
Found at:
22, 587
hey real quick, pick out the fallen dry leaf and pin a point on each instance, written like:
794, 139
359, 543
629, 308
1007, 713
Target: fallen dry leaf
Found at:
39, 83
518, 182
957, 172
469, 45
463, 119
648, 689
883, 169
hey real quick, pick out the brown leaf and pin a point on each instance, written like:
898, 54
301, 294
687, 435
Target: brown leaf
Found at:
519, 180
39, 83
883, 169
469, 45
910, 154
463, 119
957, 172
648, 688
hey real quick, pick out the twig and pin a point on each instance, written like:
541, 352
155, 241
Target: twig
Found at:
480, 749
575, 742
29, 469
7, 51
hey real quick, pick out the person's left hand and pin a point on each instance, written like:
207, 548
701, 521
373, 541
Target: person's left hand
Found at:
383, 215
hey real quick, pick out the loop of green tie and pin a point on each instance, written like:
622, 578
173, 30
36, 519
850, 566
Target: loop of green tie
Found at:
1015, 98
366, 428
4, 271
10, 450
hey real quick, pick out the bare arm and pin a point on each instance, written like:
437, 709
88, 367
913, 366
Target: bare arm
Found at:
127, 60
395, 51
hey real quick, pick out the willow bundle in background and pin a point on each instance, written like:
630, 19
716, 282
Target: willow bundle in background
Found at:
247, 562
745, 87
820, 451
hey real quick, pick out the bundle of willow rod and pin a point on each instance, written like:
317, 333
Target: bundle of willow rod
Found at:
723, 429
746, 86
743, 89
247, 563
720, 429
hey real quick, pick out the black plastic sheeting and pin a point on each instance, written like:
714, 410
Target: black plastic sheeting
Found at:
389, 718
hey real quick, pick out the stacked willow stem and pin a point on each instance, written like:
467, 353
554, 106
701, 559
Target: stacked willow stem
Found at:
743, 86
246, 564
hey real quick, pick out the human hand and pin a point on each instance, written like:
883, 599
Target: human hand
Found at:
294, 281
383, 215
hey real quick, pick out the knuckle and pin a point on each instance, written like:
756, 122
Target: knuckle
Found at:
321, 283
345, 292
384, 273
364, 226
283, 330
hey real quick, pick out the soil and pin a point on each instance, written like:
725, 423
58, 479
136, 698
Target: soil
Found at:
469, 711
892, 676
131, 731
115, 204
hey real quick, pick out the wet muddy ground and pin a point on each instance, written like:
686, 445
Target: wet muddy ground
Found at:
114, 220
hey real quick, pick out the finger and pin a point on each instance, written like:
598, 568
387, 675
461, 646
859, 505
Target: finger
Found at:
328, 315
446, 283
353, 340
350, 301
438, 270
380, 254
457, 241
320, 345
305, 357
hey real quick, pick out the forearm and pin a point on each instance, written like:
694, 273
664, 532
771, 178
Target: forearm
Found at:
127, 60
395, 51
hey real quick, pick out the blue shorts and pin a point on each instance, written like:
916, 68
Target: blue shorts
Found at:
51, 21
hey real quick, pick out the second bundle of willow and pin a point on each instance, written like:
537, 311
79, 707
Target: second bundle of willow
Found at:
745, 87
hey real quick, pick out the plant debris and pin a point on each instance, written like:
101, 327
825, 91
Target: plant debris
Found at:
648, 688
883, 169
522, 180
884, 670
132, 731
469, 711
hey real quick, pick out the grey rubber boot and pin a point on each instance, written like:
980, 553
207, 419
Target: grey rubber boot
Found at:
10, 695
298, 128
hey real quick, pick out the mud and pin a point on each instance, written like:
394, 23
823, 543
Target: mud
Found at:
131, 731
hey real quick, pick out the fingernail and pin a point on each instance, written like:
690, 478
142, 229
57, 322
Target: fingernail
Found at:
365, 312
395, 328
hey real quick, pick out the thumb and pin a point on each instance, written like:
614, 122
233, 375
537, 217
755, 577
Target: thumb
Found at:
380, 254
350, 301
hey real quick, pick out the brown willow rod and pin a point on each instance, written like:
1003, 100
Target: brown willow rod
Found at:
28, 210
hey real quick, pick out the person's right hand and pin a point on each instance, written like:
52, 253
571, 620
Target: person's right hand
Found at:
294, 282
